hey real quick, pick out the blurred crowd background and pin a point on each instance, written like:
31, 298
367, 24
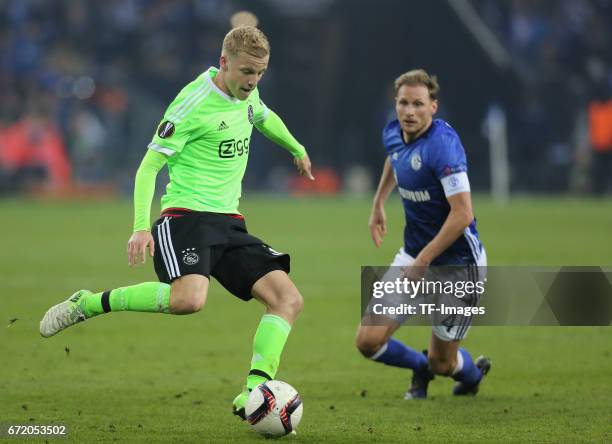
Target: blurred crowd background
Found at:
84, 83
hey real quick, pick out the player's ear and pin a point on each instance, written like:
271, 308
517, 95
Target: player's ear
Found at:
223, 62
434, 106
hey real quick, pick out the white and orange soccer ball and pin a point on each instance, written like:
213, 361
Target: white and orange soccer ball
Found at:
274, 409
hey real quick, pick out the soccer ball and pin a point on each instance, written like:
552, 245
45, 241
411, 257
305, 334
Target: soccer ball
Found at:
274, 408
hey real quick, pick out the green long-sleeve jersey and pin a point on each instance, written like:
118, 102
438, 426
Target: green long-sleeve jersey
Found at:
205, 136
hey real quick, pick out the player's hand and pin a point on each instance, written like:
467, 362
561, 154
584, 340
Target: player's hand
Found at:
416, 271
304, 166
137, 246
378, 225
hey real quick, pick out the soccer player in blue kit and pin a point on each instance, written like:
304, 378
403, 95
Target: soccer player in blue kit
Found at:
427, 162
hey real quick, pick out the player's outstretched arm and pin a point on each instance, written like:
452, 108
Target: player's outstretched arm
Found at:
378, 218
275, 130
144, 189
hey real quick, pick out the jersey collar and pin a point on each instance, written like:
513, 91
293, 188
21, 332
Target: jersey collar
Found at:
421, 137
215, 88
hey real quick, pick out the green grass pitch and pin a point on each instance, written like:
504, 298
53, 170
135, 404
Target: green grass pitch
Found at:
135, 377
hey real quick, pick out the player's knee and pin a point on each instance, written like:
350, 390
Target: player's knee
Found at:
187, 302
295, 302
288, 301
368, 344
441, 366
194, 304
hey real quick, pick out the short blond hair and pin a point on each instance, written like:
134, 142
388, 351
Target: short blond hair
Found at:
419, 77
248, 39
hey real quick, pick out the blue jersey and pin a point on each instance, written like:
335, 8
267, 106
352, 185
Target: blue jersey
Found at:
428, 170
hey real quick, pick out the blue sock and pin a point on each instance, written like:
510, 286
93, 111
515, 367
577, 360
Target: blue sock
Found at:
466, 371
399, 355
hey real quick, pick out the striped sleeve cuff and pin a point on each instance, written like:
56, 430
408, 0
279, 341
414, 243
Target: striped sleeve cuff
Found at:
161, 149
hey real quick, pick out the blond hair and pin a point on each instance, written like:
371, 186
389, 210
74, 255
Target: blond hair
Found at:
248, 39
419, 77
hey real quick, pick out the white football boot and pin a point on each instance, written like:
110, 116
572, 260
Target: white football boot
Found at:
63, 315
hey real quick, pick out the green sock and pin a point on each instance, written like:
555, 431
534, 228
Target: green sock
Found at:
151, 297
268, 345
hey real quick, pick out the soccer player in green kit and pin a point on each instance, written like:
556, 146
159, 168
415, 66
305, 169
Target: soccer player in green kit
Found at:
204, 139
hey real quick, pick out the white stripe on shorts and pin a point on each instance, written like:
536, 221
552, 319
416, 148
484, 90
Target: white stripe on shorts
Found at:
466, 321
171, 255
163, 249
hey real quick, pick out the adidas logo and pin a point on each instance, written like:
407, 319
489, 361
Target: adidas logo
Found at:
222, 126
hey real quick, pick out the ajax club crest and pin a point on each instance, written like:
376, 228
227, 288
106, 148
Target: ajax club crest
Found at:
250, 114
190, 257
